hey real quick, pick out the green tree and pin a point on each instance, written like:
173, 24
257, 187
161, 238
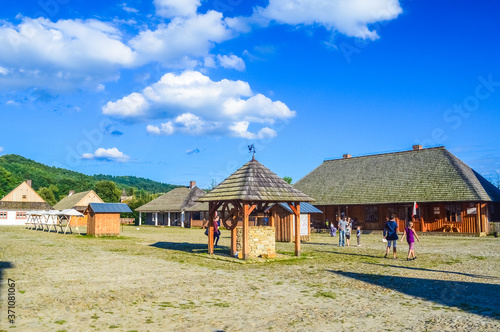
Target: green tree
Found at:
288, 179
48, 195
7, 182
108, 191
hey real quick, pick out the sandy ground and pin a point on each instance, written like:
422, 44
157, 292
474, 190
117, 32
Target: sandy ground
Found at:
160, 279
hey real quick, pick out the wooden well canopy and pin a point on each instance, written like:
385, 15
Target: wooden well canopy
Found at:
252, 188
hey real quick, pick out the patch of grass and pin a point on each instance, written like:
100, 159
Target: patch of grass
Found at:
94, 316
167, 305
279, 283
21, 291
329, 295
114, 326
149, 320
479, 258
188, 305
222, 304
60, 322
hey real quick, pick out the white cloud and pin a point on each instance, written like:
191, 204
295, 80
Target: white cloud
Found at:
183, 42
176, 8
1, 149
129, 9
39, 52
350, 18
240, 129
77, 53
132, 105
112, 154
231, 61
193, 104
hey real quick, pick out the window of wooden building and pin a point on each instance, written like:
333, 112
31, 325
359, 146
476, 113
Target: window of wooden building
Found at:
453, 212
371, 214
3, 214
20, 215
437, 210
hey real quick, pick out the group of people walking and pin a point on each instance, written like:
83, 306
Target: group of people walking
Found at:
390, 234
345, 230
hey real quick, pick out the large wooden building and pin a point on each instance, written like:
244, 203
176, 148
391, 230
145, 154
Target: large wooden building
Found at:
14, 205
450, 195
171, 208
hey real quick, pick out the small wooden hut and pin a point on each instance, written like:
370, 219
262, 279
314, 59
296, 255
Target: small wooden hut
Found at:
104, 218
252, 188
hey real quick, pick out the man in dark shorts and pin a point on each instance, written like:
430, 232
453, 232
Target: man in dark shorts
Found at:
391, 235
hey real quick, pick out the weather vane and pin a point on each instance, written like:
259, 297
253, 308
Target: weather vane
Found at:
251, 149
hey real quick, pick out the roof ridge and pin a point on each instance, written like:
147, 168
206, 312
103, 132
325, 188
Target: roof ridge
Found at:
387, 153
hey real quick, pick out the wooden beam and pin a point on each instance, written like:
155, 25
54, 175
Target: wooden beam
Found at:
234, 235
213, 206
297, 228
271, 217
211, 217
478, 218
245, 245
251, 208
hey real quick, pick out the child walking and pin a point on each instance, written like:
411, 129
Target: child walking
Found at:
358, 236
410, 234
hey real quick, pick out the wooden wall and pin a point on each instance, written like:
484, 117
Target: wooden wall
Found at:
283, 223
23, 193
103, 224
428, 221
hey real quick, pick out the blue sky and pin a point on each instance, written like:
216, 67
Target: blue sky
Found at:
176, 90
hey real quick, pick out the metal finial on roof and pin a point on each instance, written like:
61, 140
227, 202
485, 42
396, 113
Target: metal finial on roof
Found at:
251, 149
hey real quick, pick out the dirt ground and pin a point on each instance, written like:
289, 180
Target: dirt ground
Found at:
161, 279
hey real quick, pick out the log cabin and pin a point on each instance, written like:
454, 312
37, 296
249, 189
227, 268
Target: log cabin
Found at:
451, 197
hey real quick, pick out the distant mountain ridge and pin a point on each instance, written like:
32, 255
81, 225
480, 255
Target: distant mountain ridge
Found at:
15, 169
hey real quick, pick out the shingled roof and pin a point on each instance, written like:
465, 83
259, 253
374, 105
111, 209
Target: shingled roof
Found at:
427, 175
70, 202
176, 200
24, 206
254, 182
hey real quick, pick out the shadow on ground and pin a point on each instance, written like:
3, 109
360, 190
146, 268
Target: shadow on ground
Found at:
477, 298
3, 266
480, 276
197, 248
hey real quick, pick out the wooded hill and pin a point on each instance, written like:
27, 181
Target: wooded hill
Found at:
15, 169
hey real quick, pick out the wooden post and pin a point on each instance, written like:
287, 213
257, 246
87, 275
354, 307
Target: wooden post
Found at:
140, 218
245, 245
234, 235
211, 217
297, 229
156, 218
182, 219
478, 218
271, 217
168, 218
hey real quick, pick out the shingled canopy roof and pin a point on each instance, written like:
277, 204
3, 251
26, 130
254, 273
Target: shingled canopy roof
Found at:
255, 183
427, 175
176, 200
